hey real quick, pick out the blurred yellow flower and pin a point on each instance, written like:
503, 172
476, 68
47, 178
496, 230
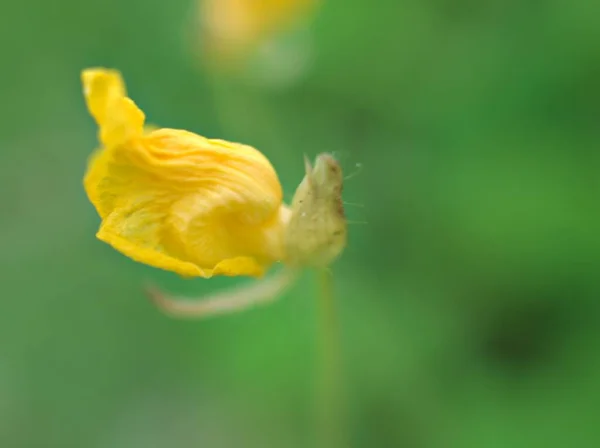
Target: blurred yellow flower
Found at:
231, 29
178, 201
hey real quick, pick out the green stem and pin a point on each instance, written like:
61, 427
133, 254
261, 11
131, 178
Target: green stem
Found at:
330, 425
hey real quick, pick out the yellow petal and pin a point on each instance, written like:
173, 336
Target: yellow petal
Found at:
117, 116
178, 201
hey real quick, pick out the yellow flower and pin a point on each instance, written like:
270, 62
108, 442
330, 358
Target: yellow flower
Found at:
231, 29
178, 201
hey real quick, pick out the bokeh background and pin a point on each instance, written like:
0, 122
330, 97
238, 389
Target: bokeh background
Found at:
468, 296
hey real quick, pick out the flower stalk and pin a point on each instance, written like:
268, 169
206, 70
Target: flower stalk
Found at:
329, 379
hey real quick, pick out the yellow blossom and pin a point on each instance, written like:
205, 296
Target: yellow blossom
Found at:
231, 29
176, 200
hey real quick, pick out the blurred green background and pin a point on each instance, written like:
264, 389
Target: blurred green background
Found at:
468, 302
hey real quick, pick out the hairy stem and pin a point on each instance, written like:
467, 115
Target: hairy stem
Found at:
330, 420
